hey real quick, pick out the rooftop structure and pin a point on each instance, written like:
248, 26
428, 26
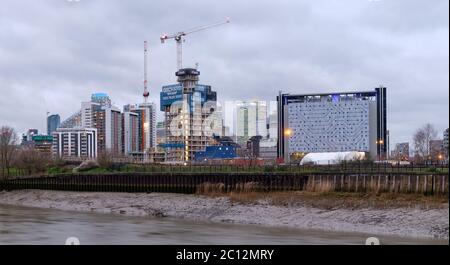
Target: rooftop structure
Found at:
189, 116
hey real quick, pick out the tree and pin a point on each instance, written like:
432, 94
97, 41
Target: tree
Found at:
57, 162
8, 140
421, 140
105, 159
31, 160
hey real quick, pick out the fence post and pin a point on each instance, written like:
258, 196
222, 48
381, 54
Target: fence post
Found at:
426, 184
386, 182
392, 189
334, 182
379, 182
433, 184
409, 183
364, 183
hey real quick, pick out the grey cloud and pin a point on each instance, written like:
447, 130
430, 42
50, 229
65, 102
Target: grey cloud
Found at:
54, 54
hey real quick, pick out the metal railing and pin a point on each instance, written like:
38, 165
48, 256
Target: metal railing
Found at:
353, 167
189, 182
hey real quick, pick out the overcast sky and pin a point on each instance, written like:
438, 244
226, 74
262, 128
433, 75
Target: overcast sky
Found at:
55, 53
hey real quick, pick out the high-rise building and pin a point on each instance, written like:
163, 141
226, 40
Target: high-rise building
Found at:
87, 113
75, 142
245, 122
189, 112
108, 122
43, 144
251, 120
102, 99
130, 131
218, 120
247, 119
147, 113
272, 120
229, 114
113, 130
107, 119
333, 122
98, 102
72, 121
146, 125
53, 122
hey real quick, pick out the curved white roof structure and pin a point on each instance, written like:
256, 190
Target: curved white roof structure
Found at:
331, 158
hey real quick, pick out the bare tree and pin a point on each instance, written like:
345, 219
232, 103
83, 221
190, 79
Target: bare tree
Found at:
8, 140
105, 159
32, 161
422, 139
57, 161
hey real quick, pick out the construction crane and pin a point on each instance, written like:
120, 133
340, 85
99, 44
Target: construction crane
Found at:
146, 93
179, 38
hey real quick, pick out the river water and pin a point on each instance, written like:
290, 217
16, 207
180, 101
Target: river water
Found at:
23, 225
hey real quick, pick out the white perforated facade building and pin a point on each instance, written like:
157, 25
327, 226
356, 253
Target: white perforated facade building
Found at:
337, 122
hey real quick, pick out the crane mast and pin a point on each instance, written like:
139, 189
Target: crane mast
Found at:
179, 38
146, 93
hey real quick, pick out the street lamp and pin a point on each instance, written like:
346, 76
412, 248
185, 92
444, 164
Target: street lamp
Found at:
440, 157
379, 142
287, 133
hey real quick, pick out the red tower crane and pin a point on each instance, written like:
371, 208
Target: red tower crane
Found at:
146, 93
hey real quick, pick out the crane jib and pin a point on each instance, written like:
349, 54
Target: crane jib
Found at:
178, 38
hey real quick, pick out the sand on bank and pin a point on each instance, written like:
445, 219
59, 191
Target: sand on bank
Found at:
402, 221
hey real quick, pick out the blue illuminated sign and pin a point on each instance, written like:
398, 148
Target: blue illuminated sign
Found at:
170, 94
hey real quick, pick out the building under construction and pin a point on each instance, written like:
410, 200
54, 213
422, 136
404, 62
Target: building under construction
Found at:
190, 116
190, 109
